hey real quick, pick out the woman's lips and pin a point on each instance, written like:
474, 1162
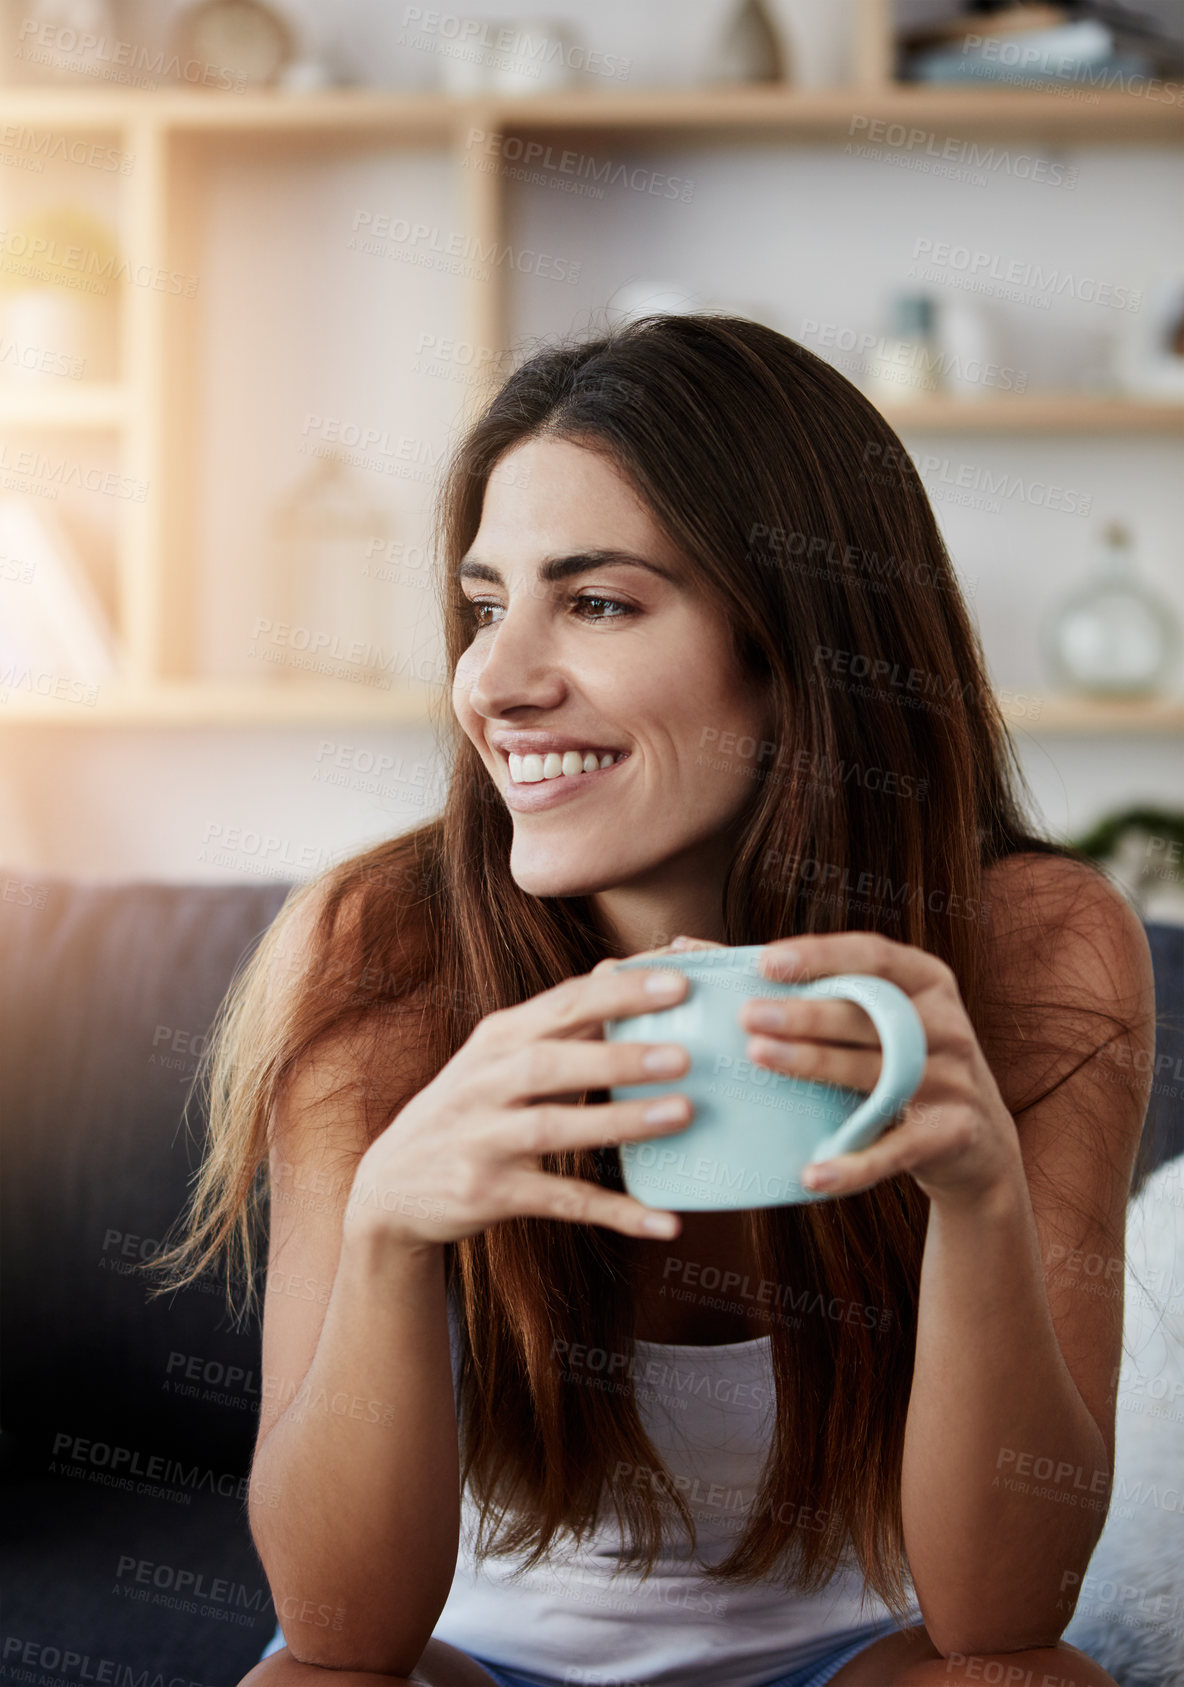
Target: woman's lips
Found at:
548, 793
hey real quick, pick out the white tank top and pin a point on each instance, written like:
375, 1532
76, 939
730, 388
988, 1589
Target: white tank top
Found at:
709, 1412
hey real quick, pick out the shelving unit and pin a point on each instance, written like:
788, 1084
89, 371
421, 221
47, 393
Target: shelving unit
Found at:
1042, 413
1069, 716
173, 703
83, 405
173, 136
214, 703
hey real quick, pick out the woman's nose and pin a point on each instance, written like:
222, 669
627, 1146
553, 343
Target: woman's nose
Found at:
516, 668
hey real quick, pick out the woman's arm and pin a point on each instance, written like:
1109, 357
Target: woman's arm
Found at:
1010, 1434
1006, 1471
355, 1495
355, 1485
1009, 1450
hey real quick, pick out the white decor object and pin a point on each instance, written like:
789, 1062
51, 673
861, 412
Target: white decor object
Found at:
80, 31
51, 621
817, 36
466, 60
325, 536
751, 48
905, 365
47, 333
306, 76
528, 55
243, 39
1113, 636
966, 343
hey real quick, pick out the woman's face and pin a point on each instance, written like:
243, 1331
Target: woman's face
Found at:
576, 648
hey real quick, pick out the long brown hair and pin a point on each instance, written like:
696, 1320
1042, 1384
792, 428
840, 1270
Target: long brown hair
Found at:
886, 789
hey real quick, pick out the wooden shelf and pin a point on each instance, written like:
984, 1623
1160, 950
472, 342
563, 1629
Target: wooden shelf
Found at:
1037, 413
65, 404
1083, 717
1112, 117
185, 111
214, 703
826, 113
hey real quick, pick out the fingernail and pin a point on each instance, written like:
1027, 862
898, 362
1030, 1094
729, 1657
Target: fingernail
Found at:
660, 1224
666, 1111
681, 943
668, 1059
764, 1016
663, 983
784, 960
821, 1176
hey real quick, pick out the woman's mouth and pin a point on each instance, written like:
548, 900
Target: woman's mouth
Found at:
541, 781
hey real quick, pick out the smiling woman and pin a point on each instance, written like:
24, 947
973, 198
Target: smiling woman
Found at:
597, 639
671, 641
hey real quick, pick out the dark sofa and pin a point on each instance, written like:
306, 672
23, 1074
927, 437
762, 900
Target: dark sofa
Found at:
125, 1534
126, 1426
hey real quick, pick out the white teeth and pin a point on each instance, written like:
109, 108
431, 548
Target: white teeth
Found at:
530, 769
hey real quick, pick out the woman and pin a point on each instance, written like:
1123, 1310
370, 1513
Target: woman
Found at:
709, 593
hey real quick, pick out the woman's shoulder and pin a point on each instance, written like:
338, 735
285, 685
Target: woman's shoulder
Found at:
344, 957
1059, 916
345, 917
1068, 970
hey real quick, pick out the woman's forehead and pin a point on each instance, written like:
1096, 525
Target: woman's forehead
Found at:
548, 496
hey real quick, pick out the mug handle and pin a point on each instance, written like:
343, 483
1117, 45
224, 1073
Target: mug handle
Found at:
905, 1051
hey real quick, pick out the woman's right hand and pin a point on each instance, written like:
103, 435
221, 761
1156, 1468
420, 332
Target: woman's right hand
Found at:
464, 1152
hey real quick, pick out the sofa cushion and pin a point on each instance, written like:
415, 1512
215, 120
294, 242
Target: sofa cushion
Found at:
106, 994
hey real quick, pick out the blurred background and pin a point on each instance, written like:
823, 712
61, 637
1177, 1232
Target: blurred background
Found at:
259, 263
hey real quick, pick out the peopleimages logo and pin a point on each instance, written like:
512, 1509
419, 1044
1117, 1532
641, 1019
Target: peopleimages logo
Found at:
98, 55
92, 272
980, 267
147, 1580
36, 147
65, 1665
525, 48
969, 482
908, 358
129, 1468
380, 234
925, 150
838, 881
530, 160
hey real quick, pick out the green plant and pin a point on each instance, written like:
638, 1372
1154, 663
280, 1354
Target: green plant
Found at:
1165, 825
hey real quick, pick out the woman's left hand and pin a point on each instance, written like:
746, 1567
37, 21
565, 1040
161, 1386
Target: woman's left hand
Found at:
956, 1137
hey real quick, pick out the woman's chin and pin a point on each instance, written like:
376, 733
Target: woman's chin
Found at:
561, 878
553, 884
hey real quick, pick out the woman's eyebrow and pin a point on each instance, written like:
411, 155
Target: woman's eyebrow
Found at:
556, 568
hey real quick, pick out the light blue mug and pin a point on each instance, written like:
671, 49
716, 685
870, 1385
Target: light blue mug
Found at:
754, 1130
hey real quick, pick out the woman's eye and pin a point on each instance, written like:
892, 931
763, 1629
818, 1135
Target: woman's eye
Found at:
617, 610
613, 603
